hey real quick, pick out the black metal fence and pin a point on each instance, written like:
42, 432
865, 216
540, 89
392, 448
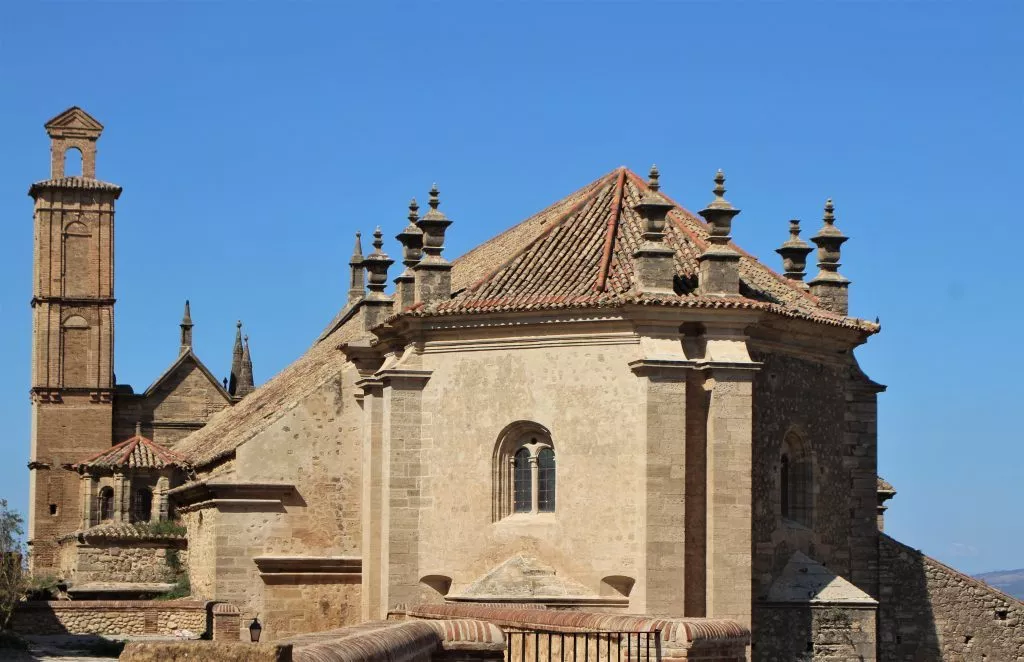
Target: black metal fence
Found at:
543, 646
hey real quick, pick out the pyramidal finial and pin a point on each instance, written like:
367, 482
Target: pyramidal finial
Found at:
186, 329
414, 211
245, 382
187, 317
236, 360
652, 178
357, 250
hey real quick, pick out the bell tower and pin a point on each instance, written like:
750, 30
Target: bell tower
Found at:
72, 330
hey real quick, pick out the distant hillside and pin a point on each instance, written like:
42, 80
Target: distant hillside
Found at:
1007, 581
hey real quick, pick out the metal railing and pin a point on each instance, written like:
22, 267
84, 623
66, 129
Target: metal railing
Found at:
545, 646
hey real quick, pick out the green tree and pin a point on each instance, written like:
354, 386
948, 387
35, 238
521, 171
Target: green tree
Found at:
12, 561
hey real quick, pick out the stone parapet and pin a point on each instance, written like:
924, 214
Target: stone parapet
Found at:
721, 640
191, 651
120, 617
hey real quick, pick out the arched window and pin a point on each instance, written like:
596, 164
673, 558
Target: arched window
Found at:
72, 162
76, 353
796, 481
77, 243
106, 505
142, 505
523, 471
522, 478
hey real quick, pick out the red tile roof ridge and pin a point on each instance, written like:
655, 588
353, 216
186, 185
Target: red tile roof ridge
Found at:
613, 228
122, 452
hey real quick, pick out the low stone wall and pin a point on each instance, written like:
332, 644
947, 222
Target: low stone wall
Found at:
705, 639
929, 611
121, 617
408, 641
819, 632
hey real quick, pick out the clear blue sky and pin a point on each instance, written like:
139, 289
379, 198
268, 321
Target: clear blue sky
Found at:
253, 139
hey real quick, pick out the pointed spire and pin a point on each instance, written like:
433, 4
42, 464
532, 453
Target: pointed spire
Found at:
357, 273
433, 272
719, 264
411, 239
654, 260
794, 253
236, 360
245, 383
186, 330
829, 285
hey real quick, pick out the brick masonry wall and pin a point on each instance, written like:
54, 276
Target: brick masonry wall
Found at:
121, 617
929, 611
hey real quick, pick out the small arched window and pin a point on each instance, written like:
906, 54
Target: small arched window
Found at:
72, 162
796, 481
524, 471
142, 505
106, 503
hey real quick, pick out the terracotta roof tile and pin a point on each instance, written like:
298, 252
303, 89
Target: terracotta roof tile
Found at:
125, 531
138, 452
74, 182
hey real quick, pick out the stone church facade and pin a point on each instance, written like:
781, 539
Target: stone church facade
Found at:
608, 407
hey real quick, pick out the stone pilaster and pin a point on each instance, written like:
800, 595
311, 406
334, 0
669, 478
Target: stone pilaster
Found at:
373, 607
402, 483
663, 572
88, 496
122, 498
860, 441
730, 375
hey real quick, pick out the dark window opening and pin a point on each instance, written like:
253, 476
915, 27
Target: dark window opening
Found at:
142, 505
522, 482
53, 509
784, 484
546, 481
106, 503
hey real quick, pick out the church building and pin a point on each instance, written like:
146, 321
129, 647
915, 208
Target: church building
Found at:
609, 407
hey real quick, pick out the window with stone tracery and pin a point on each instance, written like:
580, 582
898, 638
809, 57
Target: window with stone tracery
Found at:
524, 471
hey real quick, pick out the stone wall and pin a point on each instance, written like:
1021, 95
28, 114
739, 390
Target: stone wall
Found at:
120, 561
929, 611
120, 617
819, 633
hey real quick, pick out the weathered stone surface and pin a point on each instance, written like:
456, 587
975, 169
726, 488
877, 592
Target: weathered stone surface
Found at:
201, 651
120, 617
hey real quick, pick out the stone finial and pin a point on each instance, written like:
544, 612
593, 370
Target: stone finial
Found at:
411, 238
794, 253
719, 264
831, 287
245, 381
433, 272
186, 329
236, 360
377, 264
138, 428
652, 178
357, 272
654, 260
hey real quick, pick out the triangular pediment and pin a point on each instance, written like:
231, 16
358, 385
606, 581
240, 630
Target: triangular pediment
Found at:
74, 119
187, 361
804, 580
524, 578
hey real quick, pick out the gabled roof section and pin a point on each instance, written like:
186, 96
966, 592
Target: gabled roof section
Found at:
525, 578
74, 122
183, 358
138, 452
579, 253
804, 580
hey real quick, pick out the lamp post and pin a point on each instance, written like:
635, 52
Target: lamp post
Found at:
255, 629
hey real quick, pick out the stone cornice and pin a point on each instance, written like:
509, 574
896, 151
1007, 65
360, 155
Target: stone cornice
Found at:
662, 366
315, 568
206, 494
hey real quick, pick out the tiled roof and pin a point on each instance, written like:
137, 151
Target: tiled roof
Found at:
578, 253
885, 486
135, 453
233, 426
74, 182
125, 531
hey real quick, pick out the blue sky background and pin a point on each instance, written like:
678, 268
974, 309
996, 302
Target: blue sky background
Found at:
253, 140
